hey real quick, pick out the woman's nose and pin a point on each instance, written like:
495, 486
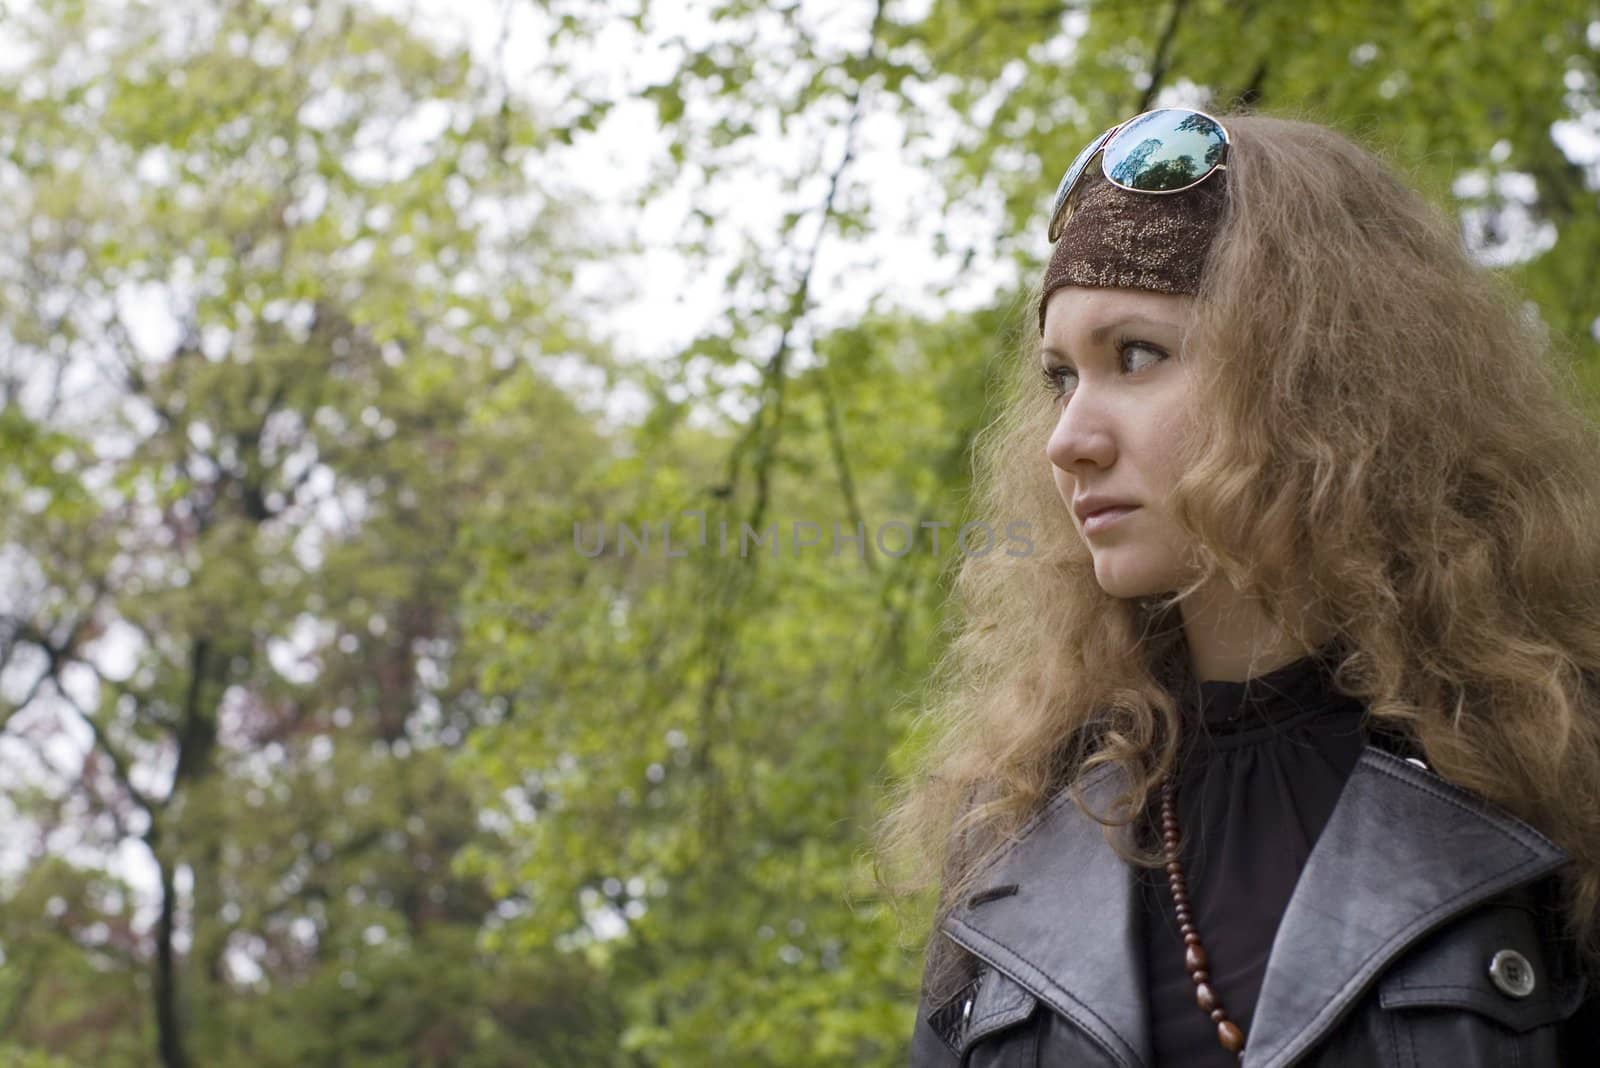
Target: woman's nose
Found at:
1082, 435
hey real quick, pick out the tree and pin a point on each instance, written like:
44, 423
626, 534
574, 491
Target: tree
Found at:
277, 285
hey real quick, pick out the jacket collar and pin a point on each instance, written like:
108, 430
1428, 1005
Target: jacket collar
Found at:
1402, 852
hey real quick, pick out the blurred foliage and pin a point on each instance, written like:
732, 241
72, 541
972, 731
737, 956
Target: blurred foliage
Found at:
265, 268
295, 518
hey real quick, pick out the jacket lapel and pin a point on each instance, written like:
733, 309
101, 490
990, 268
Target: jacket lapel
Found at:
1402, 853
1071, 932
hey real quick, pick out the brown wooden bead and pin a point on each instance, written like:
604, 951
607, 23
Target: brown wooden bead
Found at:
1230, 1036
1205, 997
1194, 958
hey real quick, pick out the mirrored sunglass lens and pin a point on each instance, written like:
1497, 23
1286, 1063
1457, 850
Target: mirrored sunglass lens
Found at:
1165, 150
1074, 170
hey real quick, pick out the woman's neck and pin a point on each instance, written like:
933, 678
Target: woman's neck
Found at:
1231, 639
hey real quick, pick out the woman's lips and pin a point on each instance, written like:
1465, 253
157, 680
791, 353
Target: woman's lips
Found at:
1104, 518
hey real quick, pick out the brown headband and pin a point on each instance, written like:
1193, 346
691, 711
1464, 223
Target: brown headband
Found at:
1156, 241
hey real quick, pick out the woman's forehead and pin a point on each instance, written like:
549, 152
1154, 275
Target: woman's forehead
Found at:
1086, 313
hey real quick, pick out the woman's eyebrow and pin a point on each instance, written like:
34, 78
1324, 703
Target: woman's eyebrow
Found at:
1099, 333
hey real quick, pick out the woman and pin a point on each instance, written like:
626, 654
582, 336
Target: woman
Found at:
1283, 745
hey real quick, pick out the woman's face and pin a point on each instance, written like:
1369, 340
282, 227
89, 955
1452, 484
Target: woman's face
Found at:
1121, 413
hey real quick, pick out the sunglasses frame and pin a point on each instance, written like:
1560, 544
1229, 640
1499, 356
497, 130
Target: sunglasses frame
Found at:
1080, 166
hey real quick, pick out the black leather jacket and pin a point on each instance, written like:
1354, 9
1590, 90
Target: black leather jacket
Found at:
1418, 936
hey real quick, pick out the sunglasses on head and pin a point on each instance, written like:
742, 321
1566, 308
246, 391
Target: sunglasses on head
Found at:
1166, 150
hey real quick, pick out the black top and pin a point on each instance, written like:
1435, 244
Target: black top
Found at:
1263, 762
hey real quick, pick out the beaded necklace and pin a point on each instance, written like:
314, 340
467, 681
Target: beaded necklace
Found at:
1194, 954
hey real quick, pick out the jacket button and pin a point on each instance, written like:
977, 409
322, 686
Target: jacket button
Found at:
1512, 973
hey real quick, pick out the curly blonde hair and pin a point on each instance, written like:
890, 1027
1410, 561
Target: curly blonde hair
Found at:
1396, 447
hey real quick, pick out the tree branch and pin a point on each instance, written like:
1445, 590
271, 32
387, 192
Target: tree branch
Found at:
1163, 56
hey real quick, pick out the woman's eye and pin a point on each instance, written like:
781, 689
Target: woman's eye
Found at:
1053, 379
1056, 378
1138, 346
